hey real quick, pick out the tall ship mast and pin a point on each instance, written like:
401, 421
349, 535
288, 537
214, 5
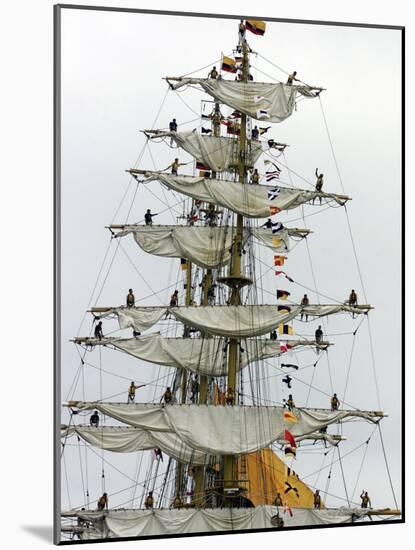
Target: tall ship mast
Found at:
217, 451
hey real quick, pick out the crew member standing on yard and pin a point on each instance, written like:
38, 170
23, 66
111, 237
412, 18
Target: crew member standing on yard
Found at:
213, 73
131, 391
149, 502
175, 166
241, 31
317, 500
229, 396
148, 217
94, 419
290, 402
365, 500
255, 177
278, 500
353, 298
103, 502
167, 396
98, 331
130, 298
173, 126
318, 334
305, 302
319, 184
174, 299
291, 78
335, 403
255, 133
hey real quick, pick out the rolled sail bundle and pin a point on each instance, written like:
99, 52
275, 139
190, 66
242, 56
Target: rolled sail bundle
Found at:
252, 201
127, 439
273, 102
205, 356
218, 153
229, 321
233, 430
208, 247
149, 523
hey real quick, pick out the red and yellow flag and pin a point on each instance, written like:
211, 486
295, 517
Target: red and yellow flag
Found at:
290, 417
255, 26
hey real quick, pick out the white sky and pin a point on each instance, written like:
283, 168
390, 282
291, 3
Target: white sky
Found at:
112, 88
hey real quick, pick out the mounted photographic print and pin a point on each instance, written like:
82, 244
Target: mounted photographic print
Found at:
228, 200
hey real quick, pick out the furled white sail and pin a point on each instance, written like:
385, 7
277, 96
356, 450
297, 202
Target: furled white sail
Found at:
205, 246
229, 321
205, 356
272, 102
218, 153
208, 247
252, 201
127, 439
226, 430
139, 523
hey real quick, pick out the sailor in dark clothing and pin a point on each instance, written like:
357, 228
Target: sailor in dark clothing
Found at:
158, 454
319, 184
130, 300
94, 419
335, 403
103, 502
241, 31
287, 380
273, 335
255, 133
290, 403
353, 298
167, 396
291, 78
98, 331
255, 177
305, 302
174, 299
213, 73
148, 217
319, 336
365, 500
149, 501
278, 500
173, 126
268, 223
317, 500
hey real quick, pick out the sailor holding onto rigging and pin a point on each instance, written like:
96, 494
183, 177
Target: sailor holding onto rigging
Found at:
103, 502
335, 403
131, 391
319, 184
365, 500
98, 331
291, 78
175, 166
148, 217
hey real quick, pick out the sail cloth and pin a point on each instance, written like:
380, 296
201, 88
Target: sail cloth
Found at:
273, 102
219, 153
228, 321
146, 523
208, 247
127, 439
205, 356
252, 201
233, 430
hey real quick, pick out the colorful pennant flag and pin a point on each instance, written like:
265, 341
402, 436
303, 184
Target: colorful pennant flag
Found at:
279, 260
276, 241
275, 191
282, 294
290, 417
288, 436
235, 114
206, 117
255, 26
264, 130
284, 308
228, 64
204, 174
285, 329
183, 264
274, 210
206, 130
277, 226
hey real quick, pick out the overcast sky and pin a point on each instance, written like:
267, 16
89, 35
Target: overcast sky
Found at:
112, 66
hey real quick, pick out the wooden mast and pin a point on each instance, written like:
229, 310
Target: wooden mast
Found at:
229, 469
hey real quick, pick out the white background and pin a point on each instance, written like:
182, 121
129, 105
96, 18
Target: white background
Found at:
26, 209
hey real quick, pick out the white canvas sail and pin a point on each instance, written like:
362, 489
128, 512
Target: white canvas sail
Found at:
218, 153
273, 102
252, 201
232, 430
